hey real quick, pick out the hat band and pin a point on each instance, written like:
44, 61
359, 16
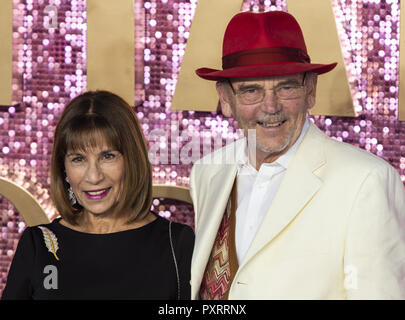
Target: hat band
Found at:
264, 55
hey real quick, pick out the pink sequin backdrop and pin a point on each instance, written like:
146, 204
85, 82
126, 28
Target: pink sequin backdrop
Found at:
49, 68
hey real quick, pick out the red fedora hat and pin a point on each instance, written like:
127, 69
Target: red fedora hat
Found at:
261, 45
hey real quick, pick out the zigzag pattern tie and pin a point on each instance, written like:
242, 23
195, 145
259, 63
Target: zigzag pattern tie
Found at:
219, 272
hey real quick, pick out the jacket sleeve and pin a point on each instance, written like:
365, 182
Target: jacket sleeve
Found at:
19, 280
374, 257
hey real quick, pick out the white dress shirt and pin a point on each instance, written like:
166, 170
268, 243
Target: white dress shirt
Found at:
256, 190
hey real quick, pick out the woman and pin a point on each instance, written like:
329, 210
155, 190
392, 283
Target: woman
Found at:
107, 243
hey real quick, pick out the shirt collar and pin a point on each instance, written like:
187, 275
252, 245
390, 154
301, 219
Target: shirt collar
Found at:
284, 160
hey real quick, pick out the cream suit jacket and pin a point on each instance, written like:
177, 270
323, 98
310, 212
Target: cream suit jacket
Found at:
335, 229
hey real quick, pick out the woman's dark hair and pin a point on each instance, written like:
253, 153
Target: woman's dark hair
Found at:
86, 118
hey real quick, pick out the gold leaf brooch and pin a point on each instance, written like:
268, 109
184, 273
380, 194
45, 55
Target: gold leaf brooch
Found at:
51, 241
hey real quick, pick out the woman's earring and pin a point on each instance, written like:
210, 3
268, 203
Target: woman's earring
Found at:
72, 196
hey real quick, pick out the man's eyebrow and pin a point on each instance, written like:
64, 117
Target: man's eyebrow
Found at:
287, 82
244, 86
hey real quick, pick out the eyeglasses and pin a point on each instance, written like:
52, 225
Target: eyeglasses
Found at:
255, 94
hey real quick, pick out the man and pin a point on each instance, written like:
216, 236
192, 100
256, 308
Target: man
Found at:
300, 215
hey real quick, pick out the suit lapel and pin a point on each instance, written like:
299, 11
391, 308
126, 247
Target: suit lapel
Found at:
298, 187
211, 213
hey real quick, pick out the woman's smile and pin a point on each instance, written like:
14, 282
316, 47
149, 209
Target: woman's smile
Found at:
97, 194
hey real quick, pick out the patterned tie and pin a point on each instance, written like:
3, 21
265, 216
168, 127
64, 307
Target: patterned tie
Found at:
222, 264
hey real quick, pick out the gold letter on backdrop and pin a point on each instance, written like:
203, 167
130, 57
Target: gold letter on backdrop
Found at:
24, 202
318, 25
401, 85
204, 49
110, 47
6, 55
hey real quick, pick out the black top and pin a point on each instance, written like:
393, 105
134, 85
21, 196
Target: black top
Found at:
131, 264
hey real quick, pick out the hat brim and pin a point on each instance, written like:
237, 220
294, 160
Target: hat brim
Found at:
264, 70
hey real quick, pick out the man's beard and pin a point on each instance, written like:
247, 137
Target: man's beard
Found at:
272, 151
278, 117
